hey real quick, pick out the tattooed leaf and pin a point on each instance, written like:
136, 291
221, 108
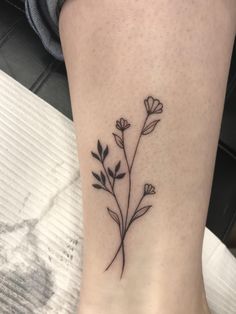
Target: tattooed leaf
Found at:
103, 178
111, 174
117, 168
97, 186
99, 146
140, 212
96, 176
150, 127
118, 140
113, 215
120, 176
105, 153
95, 156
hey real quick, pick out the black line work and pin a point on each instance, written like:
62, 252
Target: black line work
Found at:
109, 177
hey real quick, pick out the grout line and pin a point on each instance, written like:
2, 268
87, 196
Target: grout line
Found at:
230, 88
229, 151
43, 76
19, 8
5, 37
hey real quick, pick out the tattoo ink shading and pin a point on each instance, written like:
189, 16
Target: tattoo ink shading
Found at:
108, 177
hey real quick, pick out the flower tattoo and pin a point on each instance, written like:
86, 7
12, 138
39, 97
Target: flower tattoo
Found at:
108, 177
122, 124
153, 105
149, 189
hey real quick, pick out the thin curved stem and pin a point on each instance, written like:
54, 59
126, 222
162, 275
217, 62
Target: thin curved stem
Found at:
123, 259
125, 154
129, 184
137, 207
137, 145
117, 252
122, 227
115, 197
129, 167
124, 235
123, 253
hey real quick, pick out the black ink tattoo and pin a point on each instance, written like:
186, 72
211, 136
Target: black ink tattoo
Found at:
107, 178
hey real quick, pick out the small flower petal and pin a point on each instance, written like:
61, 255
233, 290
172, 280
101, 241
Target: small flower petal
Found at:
122, 124
153, 106
146, 105
149, 189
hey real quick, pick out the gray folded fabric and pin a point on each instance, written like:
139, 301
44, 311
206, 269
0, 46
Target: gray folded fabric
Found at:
43, 16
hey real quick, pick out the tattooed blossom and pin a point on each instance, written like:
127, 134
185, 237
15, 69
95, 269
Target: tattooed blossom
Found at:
149, 189
109, 178
122, 124
153, 105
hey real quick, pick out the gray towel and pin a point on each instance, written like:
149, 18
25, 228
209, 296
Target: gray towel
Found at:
43, 16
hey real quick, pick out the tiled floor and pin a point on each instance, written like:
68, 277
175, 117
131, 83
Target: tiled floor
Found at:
23, 57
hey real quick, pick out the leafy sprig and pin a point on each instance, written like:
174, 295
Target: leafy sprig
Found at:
115, 174
101, 178
102, 153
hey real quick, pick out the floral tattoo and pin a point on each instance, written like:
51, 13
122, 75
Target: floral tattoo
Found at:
109, 177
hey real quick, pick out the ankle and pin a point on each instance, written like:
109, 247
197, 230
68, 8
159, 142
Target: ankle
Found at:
129, 299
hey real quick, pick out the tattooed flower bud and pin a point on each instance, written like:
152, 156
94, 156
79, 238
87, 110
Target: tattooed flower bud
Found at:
153, 105
149, 189
122, 124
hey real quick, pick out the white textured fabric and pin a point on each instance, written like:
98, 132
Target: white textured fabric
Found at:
219, 270
40, 214
40, 206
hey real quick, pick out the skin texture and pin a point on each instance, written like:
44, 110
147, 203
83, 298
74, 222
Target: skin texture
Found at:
116, 55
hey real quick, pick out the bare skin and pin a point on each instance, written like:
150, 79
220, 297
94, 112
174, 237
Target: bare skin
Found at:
116, 55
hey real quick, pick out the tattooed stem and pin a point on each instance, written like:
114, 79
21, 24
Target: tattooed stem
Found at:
114, 195
139, 138
129, 183
117, 252
121, 246
125, 154
129, 167
108, 178
122, 227
137, 207
123, 252
123, 259
124, 234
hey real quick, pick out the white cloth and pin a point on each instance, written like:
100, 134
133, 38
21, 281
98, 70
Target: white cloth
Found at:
219, 272
41, 213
